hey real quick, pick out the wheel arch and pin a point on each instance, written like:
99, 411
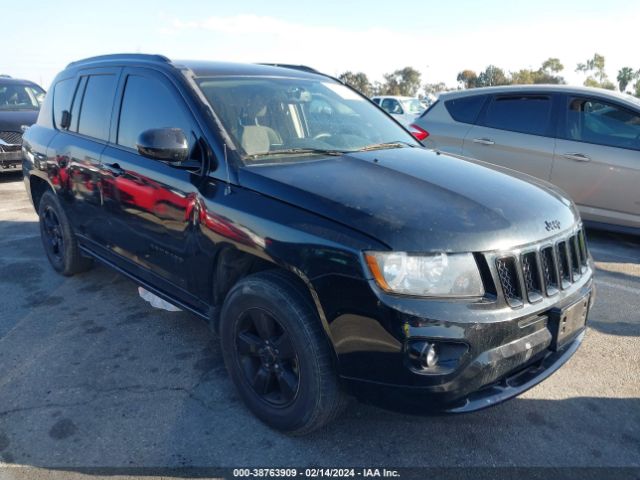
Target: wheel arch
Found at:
232, 264
37, 187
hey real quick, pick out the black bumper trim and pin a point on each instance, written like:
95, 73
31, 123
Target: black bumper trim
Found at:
518, 383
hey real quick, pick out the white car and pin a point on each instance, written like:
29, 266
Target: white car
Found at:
404, 109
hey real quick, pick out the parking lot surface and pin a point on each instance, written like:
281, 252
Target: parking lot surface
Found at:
92, 376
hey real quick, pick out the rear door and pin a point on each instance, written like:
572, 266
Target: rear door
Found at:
516, 131
83, 134
449, 120
150, 204
597, 159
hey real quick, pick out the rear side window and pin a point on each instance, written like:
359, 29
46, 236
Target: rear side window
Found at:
62, 96
95, 113
519, 113
465, 109
602, 123
148, 103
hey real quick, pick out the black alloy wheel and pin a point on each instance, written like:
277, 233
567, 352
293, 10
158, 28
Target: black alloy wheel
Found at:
278, 354
52, 232
267, 358
58, 238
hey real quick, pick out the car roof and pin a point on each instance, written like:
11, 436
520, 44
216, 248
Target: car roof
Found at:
543, 88
16, 81
202, 68
398, 97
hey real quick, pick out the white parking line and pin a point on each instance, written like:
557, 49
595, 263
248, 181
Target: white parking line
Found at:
617, 286
602, 251
13, 238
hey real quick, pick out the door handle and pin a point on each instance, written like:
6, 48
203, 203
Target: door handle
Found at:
114, 168
484, 141
578, 157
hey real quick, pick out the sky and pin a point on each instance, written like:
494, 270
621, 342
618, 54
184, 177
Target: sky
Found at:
438, 38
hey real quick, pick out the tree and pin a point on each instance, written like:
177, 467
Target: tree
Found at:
625, 75
402, 82
377, 88
359, 81
545, 74
595, 66
492, 76
523, 77
552, 65
434, 88
468, 79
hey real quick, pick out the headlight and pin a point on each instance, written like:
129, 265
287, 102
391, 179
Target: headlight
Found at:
440, 274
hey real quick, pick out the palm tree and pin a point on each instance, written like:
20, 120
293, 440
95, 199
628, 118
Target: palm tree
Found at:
625, 75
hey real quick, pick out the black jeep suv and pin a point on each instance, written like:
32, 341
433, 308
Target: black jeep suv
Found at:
19, 105
333, 254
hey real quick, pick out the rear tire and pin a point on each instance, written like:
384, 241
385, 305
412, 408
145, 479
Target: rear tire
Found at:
277, 354
58, 239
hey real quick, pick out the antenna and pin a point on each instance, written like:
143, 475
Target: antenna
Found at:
227, 190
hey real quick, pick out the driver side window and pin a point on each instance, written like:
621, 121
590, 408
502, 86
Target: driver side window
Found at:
148, 103
595, 121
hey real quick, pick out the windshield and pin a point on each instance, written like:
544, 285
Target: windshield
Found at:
413, 105
271, 117
15, 96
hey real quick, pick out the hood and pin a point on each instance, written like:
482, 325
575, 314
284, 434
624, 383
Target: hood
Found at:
417, 200
12, 120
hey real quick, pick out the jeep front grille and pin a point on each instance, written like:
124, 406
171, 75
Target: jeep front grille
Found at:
10, 141
543, 270
12, 138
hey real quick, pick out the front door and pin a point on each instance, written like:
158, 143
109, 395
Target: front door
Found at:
597, 159
151, 204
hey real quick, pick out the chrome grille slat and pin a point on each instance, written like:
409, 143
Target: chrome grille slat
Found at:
509, 280
12, 138
530, 272
549, 271
542, 271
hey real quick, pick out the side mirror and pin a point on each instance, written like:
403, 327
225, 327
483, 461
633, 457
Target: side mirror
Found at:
165, 144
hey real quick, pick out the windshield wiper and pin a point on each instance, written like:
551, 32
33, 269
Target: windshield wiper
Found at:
285, 151
383, 145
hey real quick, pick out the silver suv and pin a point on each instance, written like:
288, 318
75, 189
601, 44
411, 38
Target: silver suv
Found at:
584, 140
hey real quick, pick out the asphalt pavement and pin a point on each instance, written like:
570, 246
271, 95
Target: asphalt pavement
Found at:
92, 376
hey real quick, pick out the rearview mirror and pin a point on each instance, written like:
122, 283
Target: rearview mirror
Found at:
165, 144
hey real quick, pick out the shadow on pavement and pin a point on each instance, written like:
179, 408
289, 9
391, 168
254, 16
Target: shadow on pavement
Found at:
9, 177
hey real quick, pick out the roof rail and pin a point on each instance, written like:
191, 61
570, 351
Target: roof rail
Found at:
122, 56
303, 68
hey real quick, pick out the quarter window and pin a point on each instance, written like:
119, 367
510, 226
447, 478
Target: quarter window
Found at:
95, 113
520, 113
594, 121
148, 103
62, 96
465, 109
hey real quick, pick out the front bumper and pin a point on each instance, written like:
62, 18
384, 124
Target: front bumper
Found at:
508, 351
10, 159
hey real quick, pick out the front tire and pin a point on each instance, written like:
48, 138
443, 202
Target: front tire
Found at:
58, 239
277, 354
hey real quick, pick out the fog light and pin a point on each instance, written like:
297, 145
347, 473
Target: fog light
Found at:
423, 354
429, 356
435, 357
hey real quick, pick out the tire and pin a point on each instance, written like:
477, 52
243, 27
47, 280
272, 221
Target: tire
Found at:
58, 239
267, 321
